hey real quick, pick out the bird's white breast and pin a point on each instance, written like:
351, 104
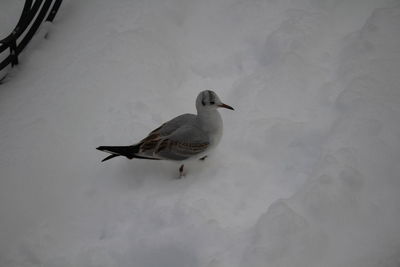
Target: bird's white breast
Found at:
211, 122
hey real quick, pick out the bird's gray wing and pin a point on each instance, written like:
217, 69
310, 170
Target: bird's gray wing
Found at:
185, 142
170, 126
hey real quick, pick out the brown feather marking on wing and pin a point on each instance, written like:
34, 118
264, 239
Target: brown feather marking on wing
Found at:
151, 137
191, 148
179, 147
150, 142
165, 144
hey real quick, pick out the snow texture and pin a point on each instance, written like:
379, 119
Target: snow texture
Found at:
306, 175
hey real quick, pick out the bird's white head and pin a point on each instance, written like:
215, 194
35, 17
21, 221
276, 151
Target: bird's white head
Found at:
209, 100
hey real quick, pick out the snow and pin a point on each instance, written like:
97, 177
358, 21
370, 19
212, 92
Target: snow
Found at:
306, 174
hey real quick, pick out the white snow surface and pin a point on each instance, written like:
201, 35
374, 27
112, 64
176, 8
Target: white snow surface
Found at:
307, 173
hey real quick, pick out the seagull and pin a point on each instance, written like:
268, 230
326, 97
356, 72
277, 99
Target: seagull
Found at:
185, 137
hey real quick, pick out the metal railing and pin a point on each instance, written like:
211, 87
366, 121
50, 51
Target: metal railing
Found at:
33, 14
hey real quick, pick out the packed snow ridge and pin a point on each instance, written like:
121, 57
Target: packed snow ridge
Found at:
307, 172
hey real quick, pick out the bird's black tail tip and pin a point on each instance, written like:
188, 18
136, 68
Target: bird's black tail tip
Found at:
115, 151
110, 157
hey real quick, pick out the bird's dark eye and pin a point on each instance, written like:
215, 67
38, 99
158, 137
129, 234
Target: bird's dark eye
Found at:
203, 102
212, 102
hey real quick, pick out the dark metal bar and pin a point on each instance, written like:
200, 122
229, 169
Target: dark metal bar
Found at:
28, 13
35, 26
5, 62
29, 18
13, 53
24, 14
54, 10
4, 44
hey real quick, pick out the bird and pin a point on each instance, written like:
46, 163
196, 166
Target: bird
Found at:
185, 137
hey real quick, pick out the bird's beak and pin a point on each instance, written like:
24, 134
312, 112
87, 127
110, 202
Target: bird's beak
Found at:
225, 106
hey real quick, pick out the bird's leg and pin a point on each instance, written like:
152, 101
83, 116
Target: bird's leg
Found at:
203, 158
181, 173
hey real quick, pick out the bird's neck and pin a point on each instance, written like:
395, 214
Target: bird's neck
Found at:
210, 121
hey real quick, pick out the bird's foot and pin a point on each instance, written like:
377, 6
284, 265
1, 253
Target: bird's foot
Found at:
182, 173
